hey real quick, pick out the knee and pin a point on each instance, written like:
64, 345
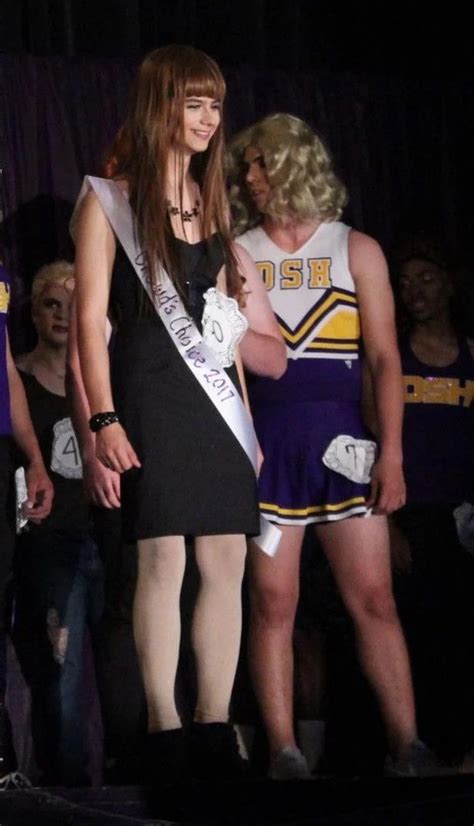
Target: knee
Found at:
160, 564
273, 604
224, 578
375, 603
221, 562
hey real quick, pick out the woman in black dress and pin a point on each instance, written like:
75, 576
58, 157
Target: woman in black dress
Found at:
184, 474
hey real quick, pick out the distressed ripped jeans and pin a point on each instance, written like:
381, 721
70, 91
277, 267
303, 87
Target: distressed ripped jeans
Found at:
55, 604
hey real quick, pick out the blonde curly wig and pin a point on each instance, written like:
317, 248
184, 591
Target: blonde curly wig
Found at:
57, 274
299, 170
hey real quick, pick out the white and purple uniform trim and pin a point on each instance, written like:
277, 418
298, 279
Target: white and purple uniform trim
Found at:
312, 293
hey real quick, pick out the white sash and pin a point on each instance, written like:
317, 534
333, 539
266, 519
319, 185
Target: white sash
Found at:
184, 334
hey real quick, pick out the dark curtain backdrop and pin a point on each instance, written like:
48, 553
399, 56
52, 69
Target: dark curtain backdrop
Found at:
289, 34
402, 146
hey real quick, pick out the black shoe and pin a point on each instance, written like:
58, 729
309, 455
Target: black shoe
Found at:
8, 762
125, 771
215, 753
166, 758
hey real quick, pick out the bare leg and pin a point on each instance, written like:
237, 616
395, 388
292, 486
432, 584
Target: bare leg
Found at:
217, 623
157, 625
358, 552
274, 588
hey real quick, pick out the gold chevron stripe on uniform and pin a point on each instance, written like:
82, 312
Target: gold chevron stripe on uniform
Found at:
351, 347
320, 311
343, 324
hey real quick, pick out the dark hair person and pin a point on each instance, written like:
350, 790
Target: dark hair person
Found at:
184, 474
438, 451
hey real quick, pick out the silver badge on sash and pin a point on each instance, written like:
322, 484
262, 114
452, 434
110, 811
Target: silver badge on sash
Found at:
223, 326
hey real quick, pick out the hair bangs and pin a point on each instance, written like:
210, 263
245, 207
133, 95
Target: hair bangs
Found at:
205, 81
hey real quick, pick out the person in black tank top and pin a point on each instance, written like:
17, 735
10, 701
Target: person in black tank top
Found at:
184, 473
17, 430
435, 588
59, 581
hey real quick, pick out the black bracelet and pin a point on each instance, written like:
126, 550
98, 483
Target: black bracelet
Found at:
101, 420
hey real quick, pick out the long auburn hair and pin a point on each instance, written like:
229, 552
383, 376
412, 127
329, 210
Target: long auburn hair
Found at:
140, 152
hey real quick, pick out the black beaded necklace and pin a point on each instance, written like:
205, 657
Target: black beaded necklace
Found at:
185, 214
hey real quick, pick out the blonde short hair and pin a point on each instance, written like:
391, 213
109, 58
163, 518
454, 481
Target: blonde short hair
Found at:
299, 170
57, 273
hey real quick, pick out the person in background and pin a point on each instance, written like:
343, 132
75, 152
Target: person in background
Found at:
17, 430
59, 581
436, 584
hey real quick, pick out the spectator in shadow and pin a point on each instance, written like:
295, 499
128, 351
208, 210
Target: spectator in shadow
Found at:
436, 585
59, 572
16, 429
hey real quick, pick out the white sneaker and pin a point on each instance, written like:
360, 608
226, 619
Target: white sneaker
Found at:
289, 764
14, 780
311, 735
420, 762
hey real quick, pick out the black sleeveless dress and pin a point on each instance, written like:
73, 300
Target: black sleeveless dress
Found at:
195, 479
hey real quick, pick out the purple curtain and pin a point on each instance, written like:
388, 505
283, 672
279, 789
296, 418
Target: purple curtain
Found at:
399, 144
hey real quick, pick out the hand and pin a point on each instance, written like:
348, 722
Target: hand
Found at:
101, 485
387, 486
114, 450
40, 492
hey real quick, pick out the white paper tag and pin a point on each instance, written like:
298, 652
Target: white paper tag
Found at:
464, 519
352, 458
21, 493
65, 453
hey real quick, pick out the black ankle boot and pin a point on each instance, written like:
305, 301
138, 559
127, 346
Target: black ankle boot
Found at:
166, 758
215, 753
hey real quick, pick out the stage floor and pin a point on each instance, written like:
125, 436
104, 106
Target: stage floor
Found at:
444, 801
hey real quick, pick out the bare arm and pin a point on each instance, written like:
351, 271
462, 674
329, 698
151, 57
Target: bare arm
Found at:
39, 485
101, 484
369, 411
369, 269
243, 383
262, 348
95, 253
